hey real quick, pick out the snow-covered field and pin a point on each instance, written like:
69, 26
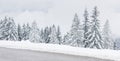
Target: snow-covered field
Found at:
103, 54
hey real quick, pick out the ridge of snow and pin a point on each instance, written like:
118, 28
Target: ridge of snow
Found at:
98, 53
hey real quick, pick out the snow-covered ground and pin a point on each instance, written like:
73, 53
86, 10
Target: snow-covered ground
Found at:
101, 53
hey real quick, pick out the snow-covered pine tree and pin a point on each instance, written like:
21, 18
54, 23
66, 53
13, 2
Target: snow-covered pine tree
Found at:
59, 35
108, 40
75, 37
1, 30
25, 31
19, 30
86, 28
28, 28
95, 39
42, 34
8, 30
117, 44
47, 32
53, 36
67, 39
35, 34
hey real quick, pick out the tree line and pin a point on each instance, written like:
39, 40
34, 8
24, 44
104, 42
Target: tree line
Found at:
86, 33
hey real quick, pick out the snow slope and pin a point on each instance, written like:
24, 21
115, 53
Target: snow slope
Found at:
103, 54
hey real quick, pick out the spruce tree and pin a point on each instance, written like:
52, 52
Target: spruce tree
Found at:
28, 28
108, 41
42, 34
75, 36
59, 35
86, 28
8, 30
47, 32
95, 39
19, 30
25, 31
35, 34
53, 36
1, 30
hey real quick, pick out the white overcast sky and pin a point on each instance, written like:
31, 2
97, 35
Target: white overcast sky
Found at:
60, 12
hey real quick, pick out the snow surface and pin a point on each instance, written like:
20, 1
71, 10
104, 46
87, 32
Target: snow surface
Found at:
101, 53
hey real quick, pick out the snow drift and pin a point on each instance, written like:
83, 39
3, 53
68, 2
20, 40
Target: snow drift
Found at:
98, 53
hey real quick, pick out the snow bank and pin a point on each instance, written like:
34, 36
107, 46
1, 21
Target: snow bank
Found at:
103, 54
